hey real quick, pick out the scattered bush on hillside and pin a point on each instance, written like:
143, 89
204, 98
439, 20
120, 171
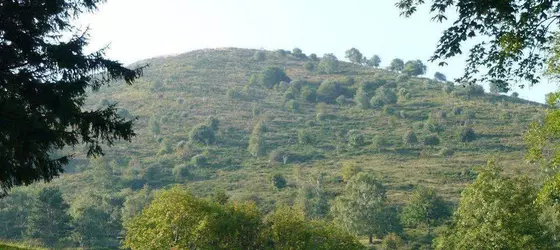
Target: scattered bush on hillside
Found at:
320, 117
475, 90
123, 113
291, 93
354, 56
432, 140
355, 138
165, 148
199, 161
434, 126
361, 98
233, 94
397, 65
212, 122
440, 77
388, 110
202, 134
414, 68
278, 155
402, 78
457, 110
392, 241
180, 172
313, 57
272, 76
446, 152
328, 91
341, 100
309, 66
410, 138
379, 142
292, 105
259, 55
305, 137
386, 95
515, 95
438, 115
467, 134
256, 140
298, 53
376, 102
281, 53
308, 94
349, 170
329, 64
278, 181
470, 114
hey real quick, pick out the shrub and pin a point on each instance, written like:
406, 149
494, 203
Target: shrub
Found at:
281, 53
313, 57
446, 152
233, 94
392, 241
199, 161
515, 95
431, 140
328, 64
376, 102
356, 138
259, 55
341, 100
123, 113
320, 117
271, 76
457, 110
410, 138
380, 142
361, 98
387, 95
309, 66
328, 91
349, 170
298, 53
180, 171
278, 181
292, 105
304, 137
291, 93
467, 134
470, 114
475, 90
388, 110
279, 155
202, 133
403, 78
308, 94
433, 126
213, 123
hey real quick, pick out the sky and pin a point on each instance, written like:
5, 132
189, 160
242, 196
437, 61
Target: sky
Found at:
141, 29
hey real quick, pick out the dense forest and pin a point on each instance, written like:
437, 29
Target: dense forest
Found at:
252, 149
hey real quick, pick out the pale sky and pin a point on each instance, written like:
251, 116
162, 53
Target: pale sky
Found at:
140, 29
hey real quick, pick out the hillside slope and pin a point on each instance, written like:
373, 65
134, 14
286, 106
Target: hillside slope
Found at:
181, 91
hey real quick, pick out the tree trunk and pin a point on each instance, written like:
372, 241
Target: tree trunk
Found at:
371, 239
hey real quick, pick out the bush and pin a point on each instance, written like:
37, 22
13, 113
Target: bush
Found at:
202, 133
388, 110
199, 161
380, 142
308, 94
392, 241
271, 76
376, 102
305, 137
309, 66
470, 114
446, 152
279, 155
328, 64
281, 53
475, 90
410, 138
349, 170
259, 55
292, 105
457, 110
433, 126
356, 139
431, 140
181, 172
467, 134
213, 123
403, 78
328, 91
123, 113
320, 117
341, 100
313, 57
233, 94
387, 95
515, 95
291, 93
278, 181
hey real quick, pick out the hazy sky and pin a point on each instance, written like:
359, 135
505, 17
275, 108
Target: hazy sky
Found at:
140, 29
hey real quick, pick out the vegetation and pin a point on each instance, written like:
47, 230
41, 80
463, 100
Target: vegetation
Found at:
210, 142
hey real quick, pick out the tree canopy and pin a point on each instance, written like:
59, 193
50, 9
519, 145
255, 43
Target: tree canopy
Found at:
45, 77
519, 37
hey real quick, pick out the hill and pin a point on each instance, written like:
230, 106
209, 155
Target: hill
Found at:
307, 140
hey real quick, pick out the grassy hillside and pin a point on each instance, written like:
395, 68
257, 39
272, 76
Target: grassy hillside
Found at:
182, 91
